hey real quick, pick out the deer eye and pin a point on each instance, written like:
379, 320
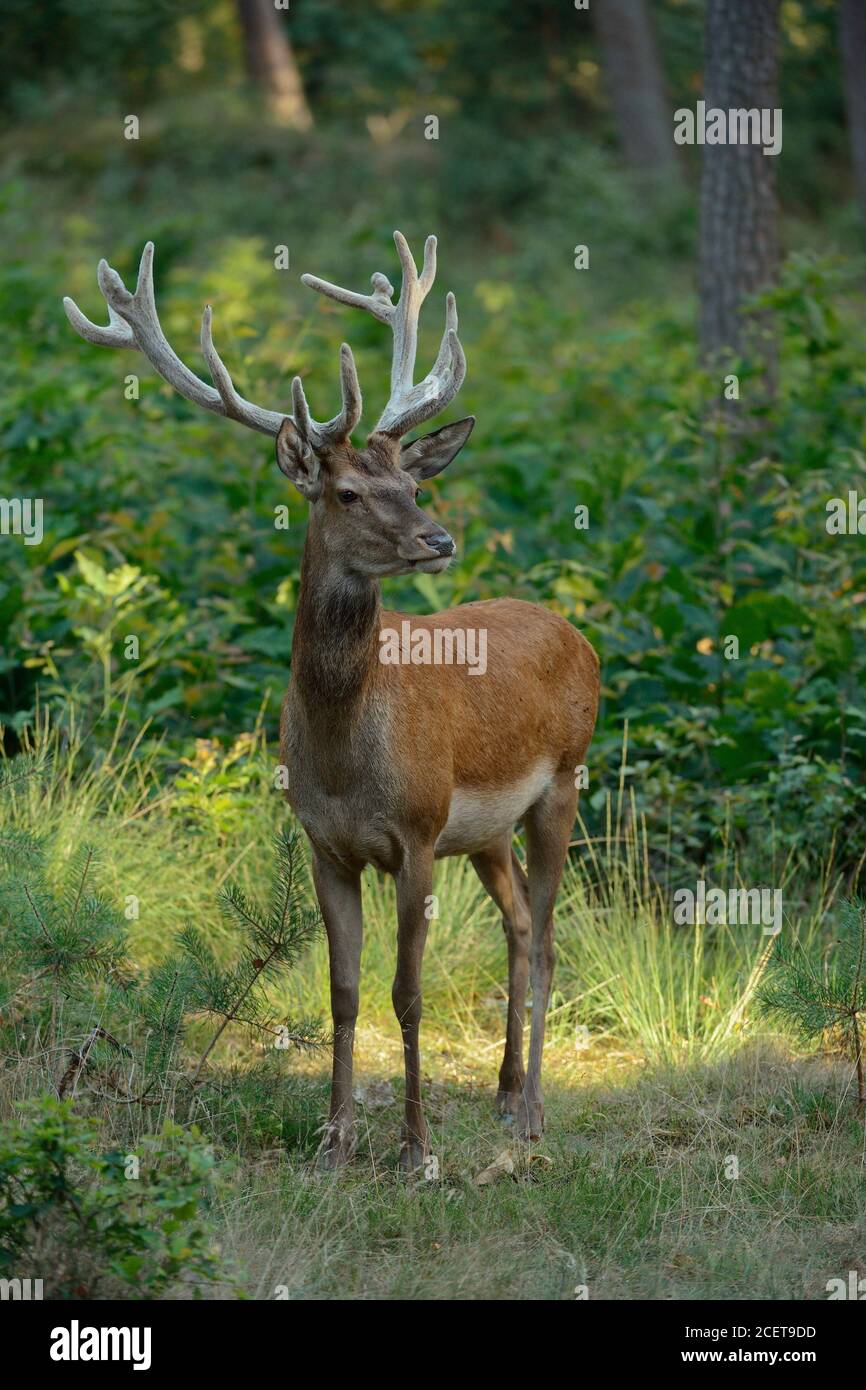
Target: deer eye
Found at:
347, 496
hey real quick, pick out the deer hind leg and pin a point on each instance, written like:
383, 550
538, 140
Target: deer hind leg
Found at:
502, 875
414, 886
339, 893
548, 825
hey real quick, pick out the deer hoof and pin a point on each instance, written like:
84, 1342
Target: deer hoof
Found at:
529, 1123
336, 1150
508, 1102
412, 1155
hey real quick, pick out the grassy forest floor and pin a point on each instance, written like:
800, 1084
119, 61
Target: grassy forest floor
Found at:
689, 1153
626, 1195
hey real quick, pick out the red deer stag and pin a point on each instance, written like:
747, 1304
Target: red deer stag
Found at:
398, 762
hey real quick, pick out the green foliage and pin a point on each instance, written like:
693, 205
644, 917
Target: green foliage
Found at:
261, 1108
159, 525
217, 788
19, 846
819, 994
63, 937
160, 520
110, 50
56, 940
135, 1221
64, 952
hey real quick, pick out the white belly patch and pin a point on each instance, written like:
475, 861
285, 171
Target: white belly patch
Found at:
479, 815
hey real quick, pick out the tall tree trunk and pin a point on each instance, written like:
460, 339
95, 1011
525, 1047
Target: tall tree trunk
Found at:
852, 39
739, 216
270, 62
636, 84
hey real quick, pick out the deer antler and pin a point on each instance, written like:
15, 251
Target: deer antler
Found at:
134, 323
408, 405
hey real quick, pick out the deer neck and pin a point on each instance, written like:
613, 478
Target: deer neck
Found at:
335, 650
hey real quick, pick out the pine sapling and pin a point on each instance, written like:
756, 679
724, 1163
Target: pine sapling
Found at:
191, 983
818, 995
58, 943
18, 847
275, 939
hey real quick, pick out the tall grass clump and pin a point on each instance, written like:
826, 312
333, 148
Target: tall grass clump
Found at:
627, 970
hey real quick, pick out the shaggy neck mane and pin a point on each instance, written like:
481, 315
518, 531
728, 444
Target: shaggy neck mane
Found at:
336, 642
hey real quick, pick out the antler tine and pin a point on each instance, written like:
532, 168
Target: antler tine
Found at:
413, 292
411, 407
428, 269
408, 405
447, 352
116, 334
134, 322
340, 427
351, 391
300, 409
378, 304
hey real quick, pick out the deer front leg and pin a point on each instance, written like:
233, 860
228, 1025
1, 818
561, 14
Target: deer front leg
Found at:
339, 893
414, 886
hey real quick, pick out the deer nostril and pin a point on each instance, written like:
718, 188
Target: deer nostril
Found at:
440, 541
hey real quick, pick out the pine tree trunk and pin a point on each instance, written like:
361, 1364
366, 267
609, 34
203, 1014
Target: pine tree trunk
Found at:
636, 84
270, 62
739, 231
852, 40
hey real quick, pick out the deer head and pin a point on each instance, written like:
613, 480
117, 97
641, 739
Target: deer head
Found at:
363, 501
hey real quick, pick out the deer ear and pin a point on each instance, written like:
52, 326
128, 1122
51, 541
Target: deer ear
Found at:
426, 457
296, 459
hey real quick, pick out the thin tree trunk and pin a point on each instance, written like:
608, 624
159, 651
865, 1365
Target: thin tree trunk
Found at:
739, 222
270, 62
636, 84
852, 40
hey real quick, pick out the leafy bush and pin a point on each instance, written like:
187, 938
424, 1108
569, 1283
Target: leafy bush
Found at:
88, 1223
